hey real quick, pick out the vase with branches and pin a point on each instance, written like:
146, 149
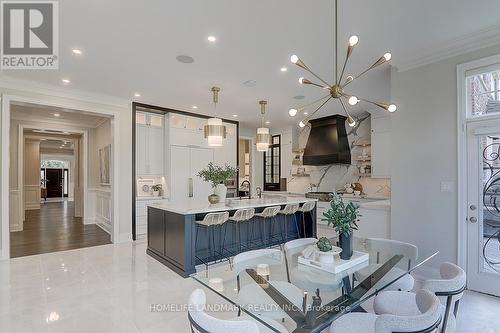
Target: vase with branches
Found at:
343, 217
217, 176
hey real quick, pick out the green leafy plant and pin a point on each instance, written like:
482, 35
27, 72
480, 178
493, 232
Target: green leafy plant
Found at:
156, 187
215, 174
341, 216
324, 244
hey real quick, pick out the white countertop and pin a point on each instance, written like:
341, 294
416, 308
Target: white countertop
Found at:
188, 207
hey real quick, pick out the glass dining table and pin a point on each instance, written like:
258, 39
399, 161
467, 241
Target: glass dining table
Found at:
303, 298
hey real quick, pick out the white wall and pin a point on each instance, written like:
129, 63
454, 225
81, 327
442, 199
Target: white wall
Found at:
424, 144
31, 174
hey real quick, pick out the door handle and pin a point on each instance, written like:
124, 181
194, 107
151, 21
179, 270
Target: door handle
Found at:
190, 187
473, 219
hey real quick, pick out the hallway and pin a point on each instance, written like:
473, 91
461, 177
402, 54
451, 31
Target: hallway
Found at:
53, 228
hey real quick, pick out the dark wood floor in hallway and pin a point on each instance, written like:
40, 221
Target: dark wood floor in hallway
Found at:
54, 228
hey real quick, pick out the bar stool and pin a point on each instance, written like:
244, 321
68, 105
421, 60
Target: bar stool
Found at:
267, 213
210, 223
239, 217
290, 209
307, 207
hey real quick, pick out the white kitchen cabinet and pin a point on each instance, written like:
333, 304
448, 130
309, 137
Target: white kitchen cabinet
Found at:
149, 145
381, 147
185, 163
141, 214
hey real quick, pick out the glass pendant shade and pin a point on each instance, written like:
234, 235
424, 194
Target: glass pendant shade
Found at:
215, 132
263, 139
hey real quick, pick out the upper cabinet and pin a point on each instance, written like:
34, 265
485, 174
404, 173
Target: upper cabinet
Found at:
381, 147
149, 144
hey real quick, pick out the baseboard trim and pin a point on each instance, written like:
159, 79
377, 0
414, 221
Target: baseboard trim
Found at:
15, 228
89, 220
104, 227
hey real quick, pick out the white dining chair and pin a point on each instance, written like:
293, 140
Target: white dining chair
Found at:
202, 322
252, 294
314, 278
449, 288
426, 321
380, 251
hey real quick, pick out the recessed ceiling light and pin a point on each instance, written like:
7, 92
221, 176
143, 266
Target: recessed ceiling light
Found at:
299, 97
194, 107
211, 39
185, 59
137, 95
235, 115
65, 81
283, 69
77, 51
56, 114
268, 122
306, 113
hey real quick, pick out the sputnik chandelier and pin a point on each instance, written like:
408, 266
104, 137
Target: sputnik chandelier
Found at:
337, 90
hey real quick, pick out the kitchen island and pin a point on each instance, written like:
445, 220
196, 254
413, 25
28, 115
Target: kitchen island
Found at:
172, 238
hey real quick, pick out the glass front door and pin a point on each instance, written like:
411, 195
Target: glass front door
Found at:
483, 219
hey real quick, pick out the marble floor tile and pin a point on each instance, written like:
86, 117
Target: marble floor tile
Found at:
112, 288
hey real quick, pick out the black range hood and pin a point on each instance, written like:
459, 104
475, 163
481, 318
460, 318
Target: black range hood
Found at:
327, 142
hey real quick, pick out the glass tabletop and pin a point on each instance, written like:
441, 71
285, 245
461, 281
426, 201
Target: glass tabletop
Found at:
272, 286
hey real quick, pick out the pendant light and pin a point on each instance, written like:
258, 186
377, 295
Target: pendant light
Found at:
215, 131
263, 134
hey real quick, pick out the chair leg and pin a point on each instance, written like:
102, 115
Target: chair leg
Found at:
296, 225
285, 228
455, 310
304, 224
446, 314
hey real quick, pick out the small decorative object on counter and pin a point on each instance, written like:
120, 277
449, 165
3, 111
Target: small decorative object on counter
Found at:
156, 190
368, 168
343, 218
218, 176
324, 244
213, 198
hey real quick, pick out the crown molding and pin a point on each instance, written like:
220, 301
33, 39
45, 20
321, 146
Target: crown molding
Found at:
9, 83
468, 43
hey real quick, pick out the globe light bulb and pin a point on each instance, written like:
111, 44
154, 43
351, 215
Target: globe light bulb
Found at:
351, 121
301, 124
387, 56
294, 59
301, 80
292, 112
392, 108
353, 40
353, 100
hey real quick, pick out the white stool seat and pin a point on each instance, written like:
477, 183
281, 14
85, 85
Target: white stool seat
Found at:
214, 219
307, 206
289, 209
242, 215
354, 323
405, 283
269, 212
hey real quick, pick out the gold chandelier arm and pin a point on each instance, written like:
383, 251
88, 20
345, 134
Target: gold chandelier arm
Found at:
306, 81
384, 106
349, 52
380, 61
316, 76
319, 107
350, 120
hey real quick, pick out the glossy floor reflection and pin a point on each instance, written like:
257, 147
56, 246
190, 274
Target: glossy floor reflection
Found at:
112, 288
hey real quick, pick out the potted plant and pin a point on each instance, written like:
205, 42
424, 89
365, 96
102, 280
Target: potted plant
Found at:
156, 190
343, 218
217, 176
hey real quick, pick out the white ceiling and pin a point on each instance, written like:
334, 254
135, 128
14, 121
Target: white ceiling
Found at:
130, 46
44, 114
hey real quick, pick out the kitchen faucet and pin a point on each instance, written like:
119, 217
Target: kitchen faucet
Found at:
249, 188
259, 191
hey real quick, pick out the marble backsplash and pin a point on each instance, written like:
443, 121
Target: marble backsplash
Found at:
331, 177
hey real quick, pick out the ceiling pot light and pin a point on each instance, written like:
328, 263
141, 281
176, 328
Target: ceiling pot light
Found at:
235, 116
65, 81
211, 39
292, 112
185, 59
283, 69
267, 122
137, 95
215, 131
263, 139
194, 107
302, 123
77, 51
336, 90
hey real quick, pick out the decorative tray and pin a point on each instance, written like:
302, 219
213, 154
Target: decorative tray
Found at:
338, 264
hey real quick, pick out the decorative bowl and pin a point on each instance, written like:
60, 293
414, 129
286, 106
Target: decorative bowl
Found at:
213, 199
328, 257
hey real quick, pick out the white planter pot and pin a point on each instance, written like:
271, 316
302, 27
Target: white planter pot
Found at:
156, 193
221, 191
